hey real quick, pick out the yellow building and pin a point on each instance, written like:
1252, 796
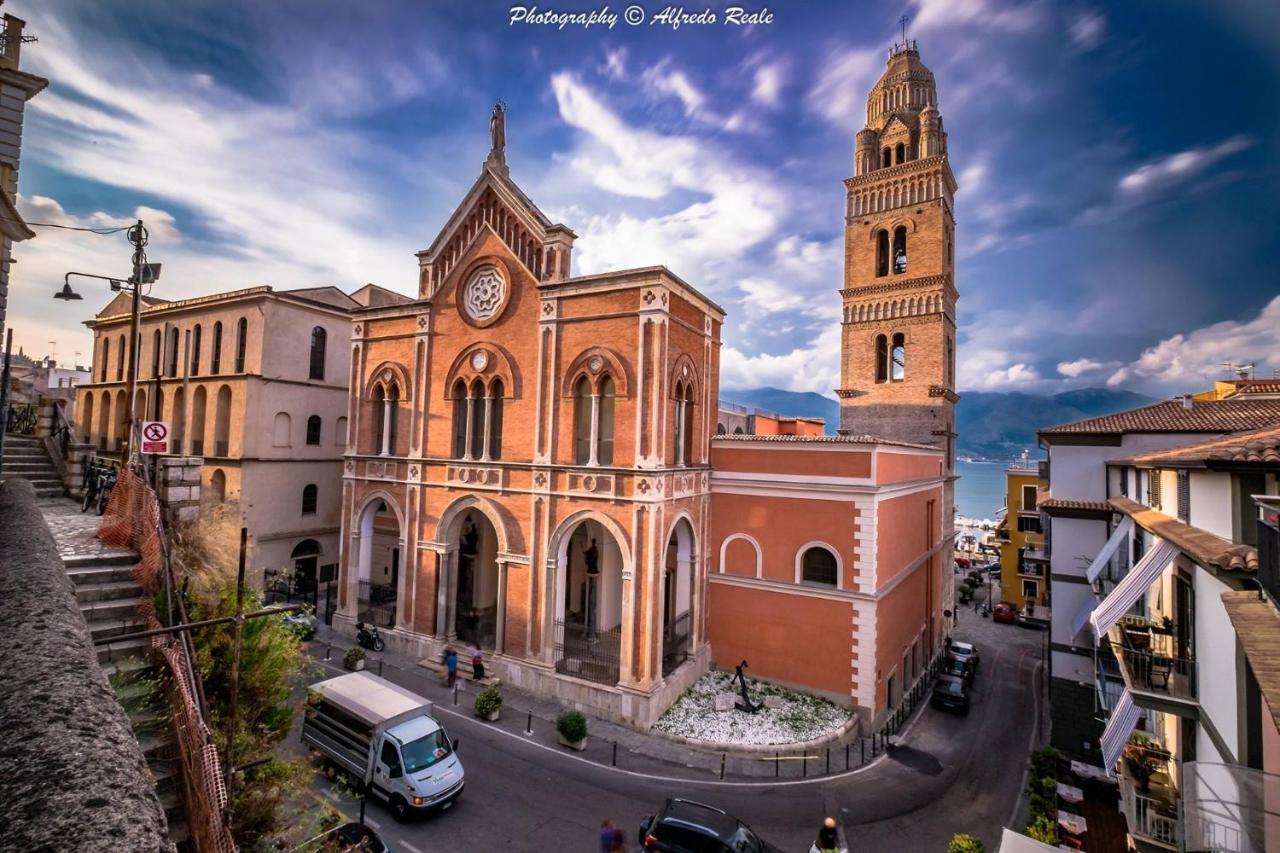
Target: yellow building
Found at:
1024, 566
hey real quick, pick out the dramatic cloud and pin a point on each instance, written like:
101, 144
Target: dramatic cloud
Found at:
840, 93
811, 368
1167, 171
1081, 366
768, 84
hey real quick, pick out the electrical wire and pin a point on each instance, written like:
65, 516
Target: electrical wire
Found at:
102, 231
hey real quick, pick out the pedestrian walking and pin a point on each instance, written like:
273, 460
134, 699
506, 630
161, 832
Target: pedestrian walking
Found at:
477, 662
828, 838
451, 665
608, 830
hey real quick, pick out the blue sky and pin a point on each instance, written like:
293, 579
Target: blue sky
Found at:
1116, 215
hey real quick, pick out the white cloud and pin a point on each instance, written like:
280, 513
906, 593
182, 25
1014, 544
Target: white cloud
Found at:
615, 64
1187, 362
1088, 30
840, 93
1176, 168
1017, 17
815, 367
768, 84
663, 79
1081, 366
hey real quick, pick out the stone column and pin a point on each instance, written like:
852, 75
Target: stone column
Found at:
179, 490
500, 629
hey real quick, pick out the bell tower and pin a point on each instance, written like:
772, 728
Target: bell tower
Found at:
898, 332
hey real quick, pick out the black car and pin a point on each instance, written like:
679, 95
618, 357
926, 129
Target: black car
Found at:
950, 694
958, 667
684, 826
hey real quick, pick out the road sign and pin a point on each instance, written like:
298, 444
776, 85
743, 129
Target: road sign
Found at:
155, 437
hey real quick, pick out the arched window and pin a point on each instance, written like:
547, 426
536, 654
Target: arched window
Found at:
678, 452
476, 446
582, 405
882, 252
950, 365
882, 358
309, 495
900, 249
684, 424
215, 365
379, 419
495, 419
120, 360
900, 156
604, 422
886, 158
313, 430
106, 357
173, 351
218, 486
156, 343
318, 339
340, 432
737, 430
460, 406
818, 565
195, 351
393, 417
280, 430
898, 358
242, 335
720, 430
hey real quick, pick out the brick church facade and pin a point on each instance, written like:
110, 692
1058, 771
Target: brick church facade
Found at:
534, 464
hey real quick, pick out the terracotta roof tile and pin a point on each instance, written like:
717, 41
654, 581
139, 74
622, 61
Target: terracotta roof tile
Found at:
1231, 415
1050, 504
1257, 624
1262, 445
1204, 547
823, 439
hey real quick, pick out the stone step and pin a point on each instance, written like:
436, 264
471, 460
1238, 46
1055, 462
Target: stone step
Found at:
50, 491
166, 777
19, 451
102, 629
125, 666
91, 593
26, 464
118, 557
113, 608
108, 654
40, 481
153, 746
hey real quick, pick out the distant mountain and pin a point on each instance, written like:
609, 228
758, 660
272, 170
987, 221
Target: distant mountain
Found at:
991, 425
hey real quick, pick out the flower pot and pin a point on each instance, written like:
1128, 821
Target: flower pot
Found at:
356, 666
578, 745
492, 716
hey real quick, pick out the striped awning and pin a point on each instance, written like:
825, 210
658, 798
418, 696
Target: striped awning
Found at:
1108, 551
1119, 726
1129, 590
1082, 618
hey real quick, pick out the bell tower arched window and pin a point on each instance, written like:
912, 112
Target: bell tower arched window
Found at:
900, 154
475, 449
460, 406
379, 419
882, 253
898, 358
593, 421
393, 417
900, 249
886, 158
242, 341
318, 339
882, 358
495, 419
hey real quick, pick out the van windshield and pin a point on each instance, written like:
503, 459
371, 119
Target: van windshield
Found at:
426, 751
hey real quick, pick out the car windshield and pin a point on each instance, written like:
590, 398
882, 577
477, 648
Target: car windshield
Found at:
426, 751
956, 666
952, 687
746, 841
961, 649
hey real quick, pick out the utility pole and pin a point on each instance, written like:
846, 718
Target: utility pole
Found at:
235, 665
138, 237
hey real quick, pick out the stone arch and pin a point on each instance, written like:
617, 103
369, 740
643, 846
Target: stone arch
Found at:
503, 525
614, 365
502, 366
734, 537
399, 376
559, 541
359, 567
688, 378
826, 546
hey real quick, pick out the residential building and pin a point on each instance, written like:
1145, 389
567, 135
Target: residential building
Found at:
1024, 564
537, 466
1158, 617
254, 381
16, 88
733, 419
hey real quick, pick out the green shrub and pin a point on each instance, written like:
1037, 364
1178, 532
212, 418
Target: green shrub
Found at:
1044, 762
572, 726
488, 701
1043, 829
354, 654
962, 842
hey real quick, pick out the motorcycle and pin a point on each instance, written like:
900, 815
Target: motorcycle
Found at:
370, 638
986, 610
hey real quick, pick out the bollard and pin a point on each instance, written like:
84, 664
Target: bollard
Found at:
614, 762
846, 756
828, 761
777, 764
722, 765
863, 746
380, 669
528, 727
328, 652
455, 694
804, 765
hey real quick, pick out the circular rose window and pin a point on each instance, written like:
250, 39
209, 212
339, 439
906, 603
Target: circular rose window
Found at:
484, 294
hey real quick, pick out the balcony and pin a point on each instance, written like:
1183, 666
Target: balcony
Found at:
1029, 569
1151, 665
1151, 812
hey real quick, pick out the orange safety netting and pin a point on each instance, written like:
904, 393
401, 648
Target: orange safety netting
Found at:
132, 520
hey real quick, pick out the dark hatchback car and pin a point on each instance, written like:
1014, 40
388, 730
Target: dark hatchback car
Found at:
957, 667
684, 826
950, 694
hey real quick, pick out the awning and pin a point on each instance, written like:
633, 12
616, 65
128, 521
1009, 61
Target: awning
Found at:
1130, 589
1108, 551
1078, 623
1016, 842
1119, 726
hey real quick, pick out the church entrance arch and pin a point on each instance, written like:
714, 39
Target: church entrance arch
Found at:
677, 596
475, 596
588, 621
378, 548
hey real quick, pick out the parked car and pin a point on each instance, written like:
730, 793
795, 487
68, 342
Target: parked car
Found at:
957, 667
303, 624
967, 652
684, 826
993, 569
950, 694
1004, 612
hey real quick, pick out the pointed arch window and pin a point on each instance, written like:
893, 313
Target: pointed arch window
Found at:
882, 358
882, 253
461, 407
242, 335
215, 364
900, 249
593, 411
898, 358
195, 351
582, 438
392, 418
476, 402
379, 419
604, 422
319, 338
173, 351
684, 424
495, 419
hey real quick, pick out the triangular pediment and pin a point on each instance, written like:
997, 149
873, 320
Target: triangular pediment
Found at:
492, 187
895, 126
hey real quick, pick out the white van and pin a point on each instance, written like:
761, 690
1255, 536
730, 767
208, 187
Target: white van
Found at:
385, 736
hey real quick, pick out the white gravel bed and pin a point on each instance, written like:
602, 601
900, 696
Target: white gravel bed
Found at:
800, 718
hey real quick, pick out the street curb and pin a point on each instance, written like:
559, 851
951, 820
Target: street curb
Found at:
761, 749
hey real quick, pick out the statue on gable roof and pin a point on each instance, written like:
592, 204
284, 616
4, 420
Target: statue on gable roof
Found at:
498, 131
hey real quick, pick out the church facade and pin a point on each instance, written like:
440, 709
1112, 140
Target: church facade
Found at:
534, 466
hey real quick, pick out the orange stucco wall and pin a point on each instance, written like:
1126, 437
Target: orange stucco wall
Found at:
787, 459
776, 634
902, 534
901, 617
902, 467
781, 526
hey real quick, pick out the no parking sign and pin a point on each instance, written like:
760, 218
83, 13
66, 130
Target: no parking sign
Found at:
155, 437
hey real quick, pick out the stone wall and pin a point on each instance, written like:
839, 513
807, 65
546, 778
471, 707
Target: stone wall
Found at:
72, 775
180, 488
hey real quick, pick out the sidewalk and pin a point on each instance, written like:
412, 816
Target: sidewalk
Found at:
609, 744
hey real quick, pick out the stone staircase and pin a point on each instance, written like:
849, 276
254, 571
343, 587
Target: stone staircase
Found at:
25, 457
108, 599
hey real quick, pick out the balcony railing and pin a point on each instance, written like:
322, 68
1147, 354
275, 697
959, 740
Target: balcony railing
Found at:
1031, 569
1152, 814
1157, 668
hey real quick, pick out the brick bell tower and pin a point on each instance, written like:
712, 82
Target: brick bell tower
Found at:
899, 330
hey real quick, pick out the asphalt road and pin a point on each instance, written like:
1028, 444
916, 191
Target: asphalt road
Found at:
952, 774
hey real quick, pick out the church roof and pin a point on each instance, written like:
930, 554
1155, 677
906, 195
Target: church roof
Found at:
509, 191
823, 439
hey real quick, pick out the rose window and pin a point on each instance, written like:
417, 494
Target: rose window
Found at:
483, 296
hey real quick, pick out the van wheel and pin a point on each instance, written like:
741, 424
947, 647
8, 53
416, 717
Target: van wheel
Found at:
399, 808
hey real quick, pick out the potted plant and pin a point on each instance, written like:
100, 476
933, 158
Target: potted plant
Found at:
962, 842
1140, 760
572, 728
354, 659
1043, 829
488, 704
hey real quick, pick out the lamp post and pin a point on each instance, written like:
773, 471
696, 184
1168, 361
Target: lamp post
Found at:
143, 273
